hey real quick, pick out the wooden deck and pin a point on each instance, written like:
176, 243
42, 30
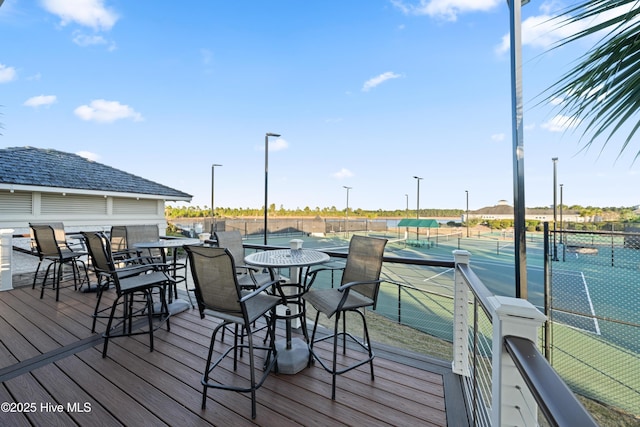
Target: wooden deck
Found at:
52, 370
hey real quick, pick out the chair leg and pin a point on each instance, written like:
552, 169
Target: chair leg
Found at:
35, 276
46, 276
335, 356
98, 300
147, 294
368, 343
205, 377
333, 369
312, 339
253, 375
107, 333
57, 277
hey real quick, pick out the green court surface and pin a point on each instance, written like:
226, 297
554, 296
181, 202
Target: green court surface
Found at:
596, 305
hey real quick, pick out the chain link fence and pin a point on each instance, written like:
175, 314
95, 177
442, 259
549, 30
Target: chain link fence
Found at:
593, 291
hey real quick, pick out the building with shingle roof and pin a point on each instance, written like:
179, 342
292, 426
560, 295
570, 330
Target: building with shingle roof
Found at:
39, 185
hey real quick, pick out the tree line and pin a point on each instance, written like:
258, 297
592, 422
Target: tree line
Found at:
588, 212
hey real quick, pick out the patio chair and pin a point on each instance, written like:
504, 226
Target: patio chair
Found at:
358, 289
248, 277
123, 243
51, 246
125, 237
130, 283
220, 295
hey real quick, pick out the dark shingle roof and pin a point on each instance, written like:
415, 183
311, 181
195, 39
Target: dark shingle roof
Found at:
52, 168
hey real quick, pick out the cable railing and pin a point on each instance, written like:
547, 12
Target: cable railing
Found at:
493, 337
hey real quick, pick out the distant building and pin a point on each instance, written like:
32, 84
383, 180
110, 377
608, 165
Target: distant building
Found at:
504, 211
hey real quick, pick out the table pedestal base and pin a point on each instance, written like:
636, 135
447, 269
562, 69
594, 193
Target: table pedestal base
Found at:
175, 307
292, 360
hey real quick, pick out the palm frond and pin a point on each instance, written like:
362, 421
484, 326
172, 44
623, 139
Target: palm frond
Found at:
603, 89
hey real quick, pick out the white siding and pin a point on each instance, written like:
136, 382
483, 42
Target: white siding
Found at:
122, 206
53, 204
18, 202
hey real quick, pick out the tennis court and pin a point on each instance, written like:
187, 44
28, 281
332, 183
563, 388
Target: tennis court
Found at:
595, 338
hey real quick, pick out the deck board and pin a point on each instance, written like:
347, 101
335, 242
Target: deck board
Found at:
49, 355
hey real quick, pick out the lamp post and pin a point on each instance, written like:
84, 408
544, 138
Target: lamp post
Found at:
346, 212
418, 207
467, 217
517, 125
561, 224
213, 212
555, 206
266, 180
406, 214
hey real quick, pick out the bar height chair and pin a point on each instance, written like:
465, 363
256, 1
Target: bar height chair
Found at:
358, 289
248, 277
129, 283
51, 246
220, 295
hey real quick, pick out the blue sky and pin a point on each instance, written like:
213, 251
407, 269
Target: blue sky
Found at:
365, 93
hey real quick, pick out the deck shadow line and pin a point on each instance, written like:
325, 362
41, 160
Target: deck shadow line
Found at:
52, 356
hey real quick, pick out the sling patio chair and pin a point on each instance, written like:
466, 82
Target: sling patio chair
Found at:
248, 277
220, 295
51, 246
358, 289
134, 287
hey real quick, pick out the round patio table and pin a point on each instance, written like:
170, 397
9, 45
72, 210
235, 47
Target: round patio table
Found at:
293, 354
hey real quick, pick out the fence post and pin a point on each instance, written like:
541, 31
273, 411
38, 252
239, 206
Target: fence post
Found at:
460, 364
512, 402
6, 253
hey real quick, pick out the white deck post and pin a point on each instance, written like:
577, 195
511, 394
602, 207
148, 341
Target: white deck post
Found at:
512, 402
460, 363
6, 254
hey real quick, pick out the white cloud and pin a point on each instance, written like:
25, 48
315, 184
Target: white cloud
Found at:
104, 111
557, 100
561, 123
88, 155
445, 9
88, 13
40, 100
375, 81
278, 144
545, 30
342, 173
497, 137
85, 40
7, 73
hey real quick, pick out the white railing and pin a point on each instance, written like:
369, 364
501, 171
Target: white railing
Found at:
506, 379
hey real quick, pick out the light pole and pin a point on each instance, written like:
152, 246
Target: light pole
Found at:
418, 207
346, 212
555, 205
467, 217
213, 212
406, 214
561, 224
266, 180
517, 125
